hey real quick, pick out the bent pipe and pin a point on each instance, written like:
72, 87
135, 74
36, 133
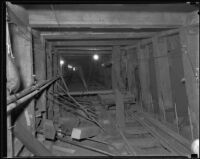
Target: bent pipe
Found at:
31, 143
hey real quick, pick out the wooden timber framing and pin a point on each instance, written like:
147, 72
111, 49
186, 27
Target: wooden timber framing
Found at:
39, 68
49, 72
91, 35
144, 76
84, 48
55, 67
111, 19
81, 52
94, 43
190, 46
162, 74
116, 79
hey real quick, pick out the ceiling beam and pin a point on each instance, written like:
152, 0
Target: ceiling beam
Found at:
94, 43
83, 48
92, 35
45, 18
83, 52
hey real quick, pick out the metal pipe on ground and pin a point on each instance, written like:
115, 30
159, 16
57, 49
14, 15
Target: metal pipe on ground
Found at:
32, 144
15, 104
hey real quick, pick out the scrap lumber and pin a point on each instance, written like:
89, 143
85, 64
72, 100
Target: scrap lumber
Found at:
84, 132
80, 106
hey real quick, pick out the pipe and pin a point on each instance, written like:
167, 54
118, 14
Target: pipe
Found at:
12, 106
32, 144
26, 91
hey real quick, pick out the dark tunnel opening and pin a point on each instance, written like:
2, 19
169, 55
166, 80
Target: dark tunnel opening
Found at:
85, 73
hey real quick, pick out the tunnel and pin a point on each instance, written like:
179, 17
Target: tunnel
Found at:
101, 80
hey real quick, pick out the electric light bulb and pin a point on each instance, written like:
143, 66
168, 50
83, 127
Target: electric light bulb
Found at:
96, 57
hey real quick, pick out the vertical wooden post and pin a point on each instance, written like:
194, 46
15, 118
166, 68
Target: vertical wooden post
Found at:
120, 119
49, 76
162, 73
116, 79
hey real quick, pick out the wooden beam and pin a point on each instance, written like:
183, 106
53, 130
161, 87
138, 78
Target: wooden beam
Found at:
93, 35
116, 68
104, 19
120, 118
94, 43
190, 56
83, 48
80, 52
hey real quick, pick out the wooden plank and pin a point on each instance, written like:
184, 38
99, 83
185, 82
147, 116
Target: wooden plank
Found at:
62, 48
111, 19
162, 74
92, 35
116, 78
179, 96
56, 108
95, 43
190, 46
133, 78
170, 132
153, 80
144, 75
84, 132
48, 48
39, 67
81, 52
120, 116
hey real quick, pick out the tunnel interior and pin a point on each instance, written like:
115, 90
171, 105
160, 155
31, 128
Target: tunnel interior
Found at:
102, 80
87, 72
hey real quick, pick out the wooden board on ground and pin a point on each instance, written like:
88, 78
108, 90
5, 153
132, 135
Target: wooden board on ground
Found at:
84, 132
